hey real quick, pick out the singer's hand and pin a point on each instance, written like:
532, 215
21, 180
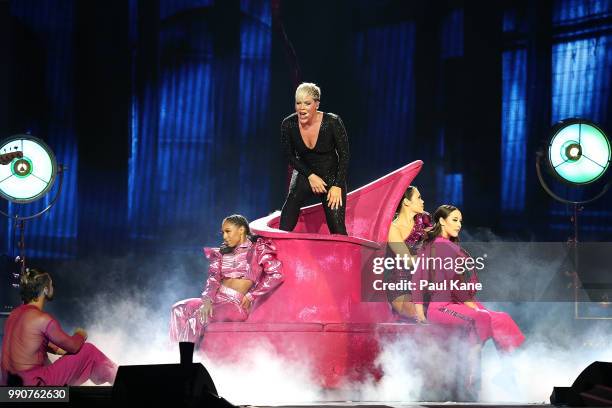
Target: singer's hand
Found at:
317, 184
334, 197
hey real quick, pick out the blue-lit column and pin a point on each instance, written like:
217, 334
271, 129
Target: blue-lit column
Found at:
482, 126
143, 179
455, 100
225, 103
539, 44
426, 56
102, 102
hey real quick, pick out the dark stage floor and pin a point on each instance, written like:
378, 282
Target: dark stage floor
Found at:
99, 397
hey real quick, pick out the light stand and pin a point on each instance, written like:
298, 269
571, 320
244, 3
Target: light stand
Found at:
28, 170
578, 154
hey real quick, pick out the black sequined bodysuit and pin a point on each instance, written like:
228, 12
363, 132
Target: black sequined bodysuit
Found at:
328, 159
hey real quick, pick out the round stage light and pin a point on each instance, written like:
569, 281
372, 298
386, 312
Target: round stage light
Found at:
574, 152
579, 151
31, 171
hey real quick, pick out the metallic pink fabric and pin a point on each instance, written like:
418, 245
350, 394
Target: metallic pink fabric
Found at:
254, 261
185, 322
422, 221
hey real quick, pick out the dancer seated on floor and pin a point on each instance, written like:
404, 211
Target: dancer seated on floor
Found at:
30, 333
406, 234
241, 271
449, 305
316, 146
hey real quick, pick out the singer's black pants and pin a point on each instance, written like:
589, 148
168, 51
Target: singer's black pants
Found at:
299, 192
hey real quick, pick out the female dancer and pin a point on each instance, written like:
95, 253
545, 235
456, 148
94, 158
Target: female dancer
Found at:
244, 269
316, 145
449, 305
406, 234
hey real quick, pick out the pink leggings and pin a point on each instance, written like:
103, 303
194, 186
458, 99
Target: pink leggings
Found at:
185, 324
73, 369
482, 323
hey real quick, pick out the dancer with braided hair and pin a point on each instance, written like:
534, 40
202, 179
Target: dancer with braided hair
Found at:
241, 271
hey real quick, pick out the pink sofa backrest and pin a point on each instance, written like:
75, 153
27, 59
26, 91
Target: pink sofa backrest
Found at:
369, 210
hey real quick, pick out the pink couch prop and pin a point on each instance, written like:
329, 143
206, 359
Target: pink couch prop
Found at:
318, 314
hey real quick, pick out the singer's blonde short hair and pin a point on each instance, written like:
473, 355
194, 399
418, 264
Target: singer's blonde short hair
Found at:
310, 89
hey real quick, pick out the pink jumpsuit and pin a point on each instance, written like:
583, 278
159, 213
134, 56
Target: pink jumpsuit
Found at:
447, 305
253, 261
30, 333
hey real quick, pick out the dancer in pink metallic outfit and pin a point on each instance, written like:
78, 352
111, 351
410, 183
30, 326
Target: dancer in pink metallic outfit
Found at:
454, 307
241, 271
31, 333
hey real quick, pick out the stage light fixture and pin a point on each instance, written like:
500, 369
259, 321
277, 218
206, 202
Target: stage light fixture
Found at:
31, 176
578, 154
28, 170
579, 151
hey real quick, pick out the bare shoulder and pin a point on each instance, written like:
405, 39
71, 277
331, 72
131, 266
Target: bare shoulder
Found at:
394, 225
395, 232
